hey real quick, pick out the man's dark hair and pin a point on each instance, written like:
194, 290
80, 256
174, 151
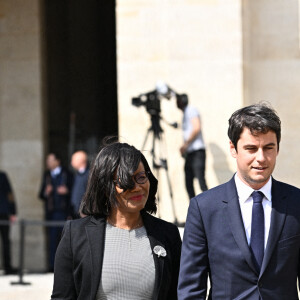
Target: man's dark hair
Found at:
116, 160
57, 157
55, 154
258, 118
182, 100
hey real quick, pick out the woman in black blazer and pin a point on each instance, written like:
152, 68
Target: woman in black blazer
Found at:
118, 250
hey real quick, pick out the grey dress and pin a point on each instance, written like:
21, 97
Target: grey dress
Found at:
128, 271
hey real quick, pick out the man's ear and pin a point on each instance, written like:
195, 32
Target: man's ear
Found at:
233, 151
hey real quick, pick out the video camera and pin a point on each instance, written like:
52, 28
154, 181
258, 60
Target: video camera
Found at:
151, 100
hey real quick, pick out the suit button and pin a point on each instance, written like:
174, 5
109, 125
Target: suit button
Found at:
260, 285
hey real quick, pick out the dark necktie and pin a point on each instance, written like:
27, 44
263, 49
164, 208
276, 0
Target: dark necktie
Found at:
257, 229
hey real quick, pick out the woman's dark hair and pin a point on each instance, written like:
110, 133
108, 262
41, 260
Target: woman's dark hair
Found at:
115, 160
258, 118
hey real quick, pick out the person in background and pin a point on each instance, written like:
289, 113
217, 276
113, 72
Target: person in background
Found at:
119, 250
55, 192
79, 162
7, 213
245, 234
193, 148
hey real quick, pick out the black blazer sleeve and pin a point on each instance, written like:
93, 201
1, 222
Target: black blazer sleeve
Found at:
43, 186
176, 252
64, 287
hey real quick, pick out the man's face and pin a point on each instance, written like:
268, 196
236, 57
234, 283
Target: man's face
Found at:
75, 162
256, 157
52, 162
79, 160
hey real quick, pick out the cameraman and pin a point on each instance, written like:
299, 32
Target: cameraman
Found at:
193, 149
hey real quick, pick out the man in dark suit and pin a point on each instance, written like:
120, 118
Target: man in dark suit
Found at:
245, 234
7, 213
55, 192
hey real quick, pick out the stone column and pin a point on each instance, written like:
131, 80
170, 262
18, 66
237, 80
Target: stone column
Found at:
272, 72
21, 113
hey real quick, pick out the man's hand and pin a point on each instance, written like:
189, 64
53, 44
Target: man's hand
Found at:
48, 189
196, 129
183, 148
62, 190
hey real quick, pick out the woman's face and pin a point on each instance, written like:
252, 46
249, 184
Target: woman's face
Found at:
134, 200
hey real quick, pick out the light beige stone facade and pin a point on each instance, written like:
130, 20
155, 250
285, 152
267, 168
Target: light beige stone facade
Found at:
195, 47
224, 55
21, 133
272, 72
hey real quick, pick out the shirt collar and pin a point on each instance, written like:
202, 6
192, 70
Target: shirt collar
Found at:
81, 170
56, 171
244, 191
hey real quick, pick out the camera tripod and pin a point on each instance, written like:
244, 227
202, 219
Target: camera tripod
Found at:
160, 162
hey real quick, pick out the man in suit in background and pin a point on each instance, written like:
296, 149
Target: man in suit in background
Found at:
245, 234
55, 192
79, 162
7, 213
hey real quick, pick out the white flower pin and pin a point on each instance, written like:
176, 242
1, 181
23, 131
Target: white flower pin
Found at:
160, 251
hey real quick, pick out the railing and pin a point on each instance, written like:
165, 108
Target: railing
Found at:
22, 230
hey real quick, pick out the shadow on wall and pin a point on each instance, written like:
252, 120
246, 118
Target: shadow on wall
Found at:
220, 164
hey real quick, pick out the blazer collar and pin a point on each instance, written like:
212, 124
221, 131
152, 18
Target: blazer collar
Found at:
278, 215
236, 222
95, 231
154, 241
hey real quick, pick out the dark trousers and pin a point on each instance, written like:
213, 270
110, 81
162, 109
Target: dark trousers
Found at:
195, 168
4, 231
54, 235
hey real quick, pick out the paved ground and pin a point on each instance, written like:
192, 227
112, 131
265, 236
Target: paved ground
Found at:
39, 289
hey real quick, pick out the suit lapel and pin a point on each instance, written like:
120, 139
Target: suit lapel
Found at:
158, 261
95, 231
279, 204
236, 222
159, 266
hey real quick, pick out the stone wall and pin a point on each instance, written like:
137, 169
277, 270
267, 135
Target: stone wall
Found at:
224, 55
272, 72
21, 130
195, 47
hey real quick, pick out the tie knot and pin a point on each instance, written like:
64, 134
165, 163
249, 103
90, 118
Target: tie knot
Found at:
257, 196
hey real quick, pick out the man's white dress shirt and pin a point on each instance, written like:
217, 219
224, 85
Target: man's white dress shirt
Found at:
246, 202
